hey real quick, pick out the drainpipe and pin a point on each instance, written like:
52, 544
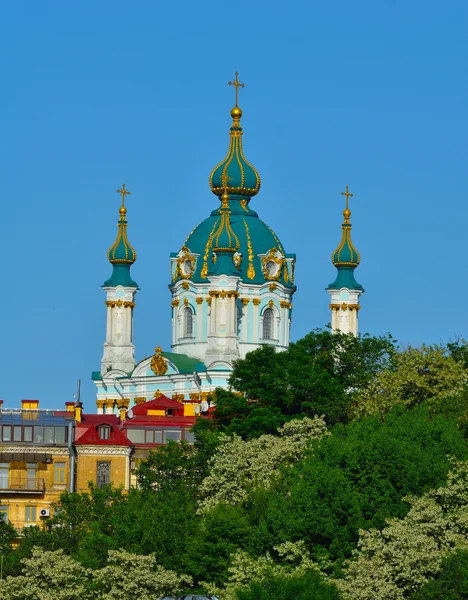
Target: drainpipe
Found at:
71, 451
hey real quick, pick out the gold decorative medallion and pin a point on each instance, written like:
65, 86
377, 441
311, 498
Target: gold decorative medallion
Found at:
272, 263
185, 263
158, 362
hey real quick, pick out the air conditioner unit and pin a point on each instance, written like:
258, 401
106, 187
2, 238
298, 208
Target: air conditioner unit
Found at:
44, 512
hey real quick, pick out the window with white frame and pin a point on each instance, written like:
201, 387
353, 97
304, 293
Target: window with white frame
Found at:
268, 324
188, 322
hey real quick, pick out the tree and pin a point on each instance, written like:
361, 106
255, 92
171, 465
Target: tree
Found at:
427, 374
48, 575
355, 479
391, 563
240, 466
129, 576
309, 586
318, 375
451, 583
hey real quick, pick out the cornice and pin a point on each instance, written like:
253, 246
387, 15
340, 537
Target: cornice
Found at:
104, 450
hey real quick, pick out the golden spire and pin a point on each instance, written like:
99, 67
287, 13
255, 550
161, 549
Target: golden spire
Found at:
347, 212
124, 192
237, 84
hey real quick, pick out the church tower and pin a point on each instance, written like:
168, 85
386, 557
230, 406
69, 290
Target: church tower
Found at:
119, 351
345, 290
232, 281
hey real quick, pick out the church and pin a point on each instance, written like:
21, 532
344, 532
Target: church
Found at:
232, 285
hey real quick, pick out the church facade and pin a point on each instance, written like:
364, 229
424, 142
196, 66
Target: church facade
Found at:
232, 284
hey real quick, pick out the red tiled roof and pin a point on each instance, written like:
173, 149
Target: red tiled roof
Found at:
87, 432
162, 402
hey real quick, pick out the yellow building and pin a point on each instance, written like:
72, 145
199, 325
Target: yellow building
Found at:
103, 452
36, 462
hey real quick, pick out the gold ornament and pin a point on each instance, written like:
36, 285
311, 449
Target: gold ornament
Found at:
158, 363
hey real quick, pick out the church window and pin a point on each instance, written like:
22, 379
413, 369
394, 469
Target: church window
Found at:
268, 322
188, 322
103, 474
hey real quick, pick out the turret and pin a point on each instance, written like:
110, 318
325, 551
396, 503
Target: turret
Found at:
345, 290
120, 291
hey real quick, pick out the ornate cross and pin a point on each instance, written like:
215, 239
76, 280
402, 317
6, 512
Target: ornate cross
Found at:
237, 85
224, 180
348, 195
124, 193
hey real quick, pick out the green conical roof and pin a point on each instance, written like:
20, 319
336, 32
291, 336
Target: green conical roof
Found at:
235, 175
346, 258
121, 254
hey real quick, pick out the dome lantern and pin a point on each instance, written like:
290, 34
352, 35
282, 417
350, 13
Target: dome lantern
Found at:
242, 178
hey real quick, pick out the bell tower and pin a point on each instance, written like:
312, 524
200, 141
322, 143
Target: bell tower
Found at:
345, 290
119, 351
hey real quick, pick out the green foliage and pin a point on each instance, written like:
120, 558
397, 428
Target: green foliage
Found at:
128, 576
356, 478
427, 374
451, 583
309, 586
318, 375
392, 563
238, 467
48, 575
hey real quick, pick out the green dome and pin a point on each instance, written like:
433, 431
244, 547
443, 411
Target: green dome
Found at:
121, 255
254, 238
233, 240
235, 175
346, 258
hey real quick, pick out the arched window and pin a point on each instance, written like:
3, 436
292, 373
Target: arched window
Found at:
188, 322
268, 323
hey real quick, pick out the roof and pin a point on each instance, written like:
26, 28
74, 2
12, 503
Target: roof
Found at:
161, 402
87, 432
184, 363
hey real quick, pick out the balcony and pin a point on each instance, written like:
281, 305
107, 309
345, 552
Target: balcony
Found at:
21, 485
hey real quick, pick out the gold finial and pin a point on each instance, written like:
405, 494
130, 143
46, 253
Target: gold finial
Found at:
124, 192
347, 212
236, 83
225, 196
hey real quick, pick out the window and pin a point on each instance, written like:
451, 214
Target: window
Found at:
30, 516
49, 437
31, 469
59, 472
4, 513
4, 469
172, 435
268, 322
104, 432
60, 435
102, 474
28, 434
7, 433
17, 434
189, 436
137, 436
188, 322
38, 433
153, 436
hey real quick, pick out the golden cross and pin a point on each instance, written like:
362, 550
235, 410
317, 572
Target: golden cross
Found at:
124, 193
237, 85
348, 195
225, 179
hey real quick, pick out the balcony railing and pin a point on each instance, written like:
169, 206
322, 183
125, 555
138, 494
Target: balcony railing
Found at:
22, 485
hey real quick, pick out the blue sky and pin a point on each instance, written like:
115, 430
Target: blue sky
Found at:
94, 94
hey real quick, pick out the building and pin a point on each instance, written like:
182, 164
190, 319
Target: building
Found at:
345, 290
232, 284
36, 462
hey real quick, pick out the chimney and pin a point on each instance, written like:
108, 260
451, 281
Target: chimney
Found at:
1, 404
29, 404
